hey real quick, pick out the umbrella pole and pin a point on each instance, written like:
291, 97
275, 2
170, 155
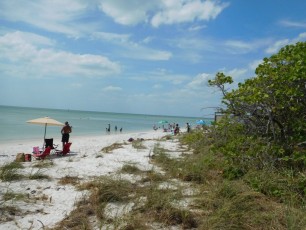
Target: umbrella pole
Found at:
44, 136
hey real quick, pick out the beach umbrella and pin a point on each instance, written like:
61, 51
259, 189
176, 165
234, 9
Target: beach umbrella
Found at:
163, 122
46, 121
201, 122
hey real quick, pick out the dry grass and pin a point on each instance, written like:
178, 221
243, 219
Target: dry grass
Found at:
112, 147
43, 164
138, 144
73, 180
38, 175
78, 218
131, 169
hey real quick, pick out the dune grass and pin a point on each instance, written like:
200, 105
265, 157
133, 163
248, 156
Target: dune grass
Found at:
138, 144
9, 171
110, 148
73, 180
38, 175
220, 197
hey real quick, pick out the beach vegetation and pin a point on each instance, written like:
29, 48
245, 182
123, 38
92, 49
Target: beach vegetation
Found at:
9, 171
138, 144
268, 109
13, 196
112, 147
43, 164
38, 175
152, 176
260, 144
79, 218
7, 212
131, 169
73, 180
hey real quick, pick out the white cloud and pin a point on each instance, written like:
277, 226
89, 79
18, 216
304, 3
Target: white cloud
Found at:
129, 49
129, 12
112, 88
162, 75
289, 23
239, 46
157, 86
147, 40
76, 85
113, 37
51, 15
160, 12
176, 11
236, 73
253, 65
24, 57
197, 28
276, 46
200, 81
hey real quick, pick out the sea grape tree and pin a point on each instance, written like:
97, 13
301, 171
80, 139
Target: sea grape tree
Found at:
272, 105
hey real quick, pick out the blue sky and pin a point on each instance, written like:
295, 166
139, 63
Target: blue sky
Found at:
137, 56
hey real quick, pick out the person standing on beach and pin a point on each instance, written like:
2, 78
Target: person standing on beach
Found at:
188, 127
66, 130
177, 129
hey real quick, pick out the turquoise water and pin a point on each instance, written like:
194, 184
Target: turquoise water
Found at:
13, 124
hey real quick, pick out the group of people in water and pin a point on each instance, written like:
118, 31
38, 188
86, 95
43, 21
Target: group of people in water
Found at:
108, 129
175, 128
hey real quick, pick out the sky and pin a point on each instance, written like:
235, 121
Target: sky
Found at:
137, 56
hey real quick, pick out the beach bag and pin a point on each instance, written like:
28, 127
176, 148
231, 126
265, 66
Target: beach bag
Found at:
20, 157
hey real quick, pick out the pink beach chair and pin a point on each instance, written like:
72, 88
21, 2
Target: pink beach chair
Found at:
43, 155
36, 150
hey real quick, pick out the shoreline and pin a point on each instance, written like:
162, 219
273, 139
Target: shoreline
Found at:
11, 148
58, 137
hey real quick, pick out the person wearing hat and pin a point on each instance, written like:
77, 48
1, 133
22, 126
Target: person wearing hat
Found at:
65, 133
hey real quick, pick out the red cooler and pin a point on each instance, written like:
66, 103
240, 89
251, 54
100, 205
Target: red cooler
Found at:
27, 157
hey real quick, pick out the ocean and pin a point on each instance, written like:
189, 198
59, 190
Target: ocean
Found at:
13, 125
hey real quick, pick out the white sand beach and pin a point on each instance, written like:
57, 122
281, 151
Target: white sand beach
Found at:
48, 201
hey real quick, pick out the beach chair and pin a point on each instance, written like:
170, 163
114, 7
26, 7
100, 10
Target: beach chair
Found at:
66, 149
42, 155
49, 142
36, 150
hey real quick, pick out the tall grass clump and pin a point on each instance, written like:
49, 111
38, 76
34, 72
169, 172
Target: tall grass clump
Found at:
160, 206
131, 169
12, 195
73, 180
44, 164
112, 147
38, 175
9, 171
138, 144
79, 218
